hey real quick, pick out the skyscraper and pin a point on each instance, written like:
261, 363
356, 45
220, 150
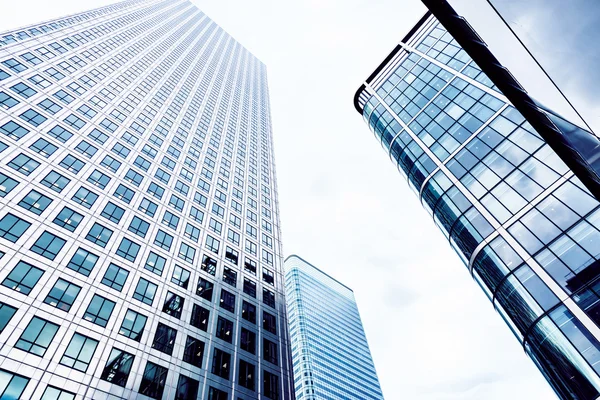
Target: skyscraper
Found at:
330, 352
521, 221
139, 229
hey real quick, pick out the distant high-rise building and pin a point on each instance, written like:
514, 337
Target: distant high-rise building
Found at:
525, 226
330, 352
139, 229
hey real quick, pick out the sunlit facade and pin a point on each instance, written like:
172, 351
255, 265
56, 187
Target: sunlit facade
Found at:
330, 353
139, 229
523, 224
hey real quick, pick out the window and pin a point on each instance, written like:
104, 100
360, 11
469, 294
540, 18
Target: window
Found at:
83, 262
187, 252
60, 133
270, 385
74, 121
99, 310
23, 90
199, 317
79, 352
62, 295
54, 393
163, 240
180, 277
98, 179
6, 314
37, 337
33, 117
204, 289
212, 244
187, 388
268, 298
209, 265
55, 181
170, 219
99, 234
111, 164
194, 351
268, 277
117, 368
23, 164
72, 164
128, 249
12, 385
112, 212
61, 94
270, 351
249, 312
48, 245
85, 197
164, 339
148, 207
227, 300
196, 214
216, 394
124, 193
35, 202
13, 130
49, 106
134, 177
156, 191
14, 65
133, 325
191, 232
145, 291
115, 277
86, 149
221, 363
248, 341
224, 329
6, 184
68, 219
230, 276
139, 226
43, 147
173, 305
153, 381
246, 375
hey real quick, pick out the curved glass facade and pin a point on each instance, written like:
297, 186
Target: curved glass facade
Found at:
330, 353
523, 224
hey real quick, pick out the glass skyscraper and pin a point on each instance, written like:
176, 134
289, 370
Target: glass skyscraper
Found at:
521, 221
139, 229
330, 353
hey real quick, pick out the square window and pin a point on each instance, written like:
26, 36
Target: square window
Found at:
164, 339
60, 133
55, 181
43, 147
13, 130
99, 311
23, 164
249, 312
35, 202
85, 197
13, 384
204, 289
270, 351
173, 305
6, 314
270, 385
221, 363
199, 318
224, 329
7, 184
54, 393
187, 388
153, 381
117, 368
133, 325
246, 375
148, 207
145, 291
83, 262
112, 212
68, 219
79, 352
227, 300
181, 276
115, 277
128, 249
62, 295
37, 337
48, 245
268, 298
99, 235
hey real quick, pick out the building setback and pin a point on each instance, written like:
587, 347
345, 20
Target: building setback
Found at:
139, 228
330, 353
524, 225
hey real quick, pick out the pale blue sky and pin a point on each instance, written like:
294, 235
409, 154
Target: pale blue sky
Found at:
432, 332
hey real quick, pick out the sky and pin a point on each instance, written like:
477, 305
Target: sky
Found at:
345, 208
